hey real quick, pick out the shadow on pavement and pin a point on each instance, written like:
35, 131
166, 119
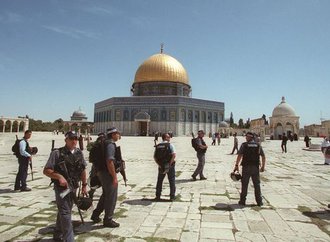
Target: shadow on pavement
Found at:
144, 201
179, 181
7, 190
323, 215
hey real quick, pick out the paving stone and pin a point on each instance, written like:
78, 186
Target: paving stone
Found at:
15, 231
169, 233
189, 237
308, 231
246, 236
211, 233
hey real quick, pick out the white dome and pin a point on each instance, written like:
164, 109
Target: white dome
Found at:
223, 124
283, 110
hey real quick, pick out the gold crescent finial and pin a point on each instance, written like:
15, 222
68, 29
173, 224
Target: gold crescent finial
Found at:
161, 48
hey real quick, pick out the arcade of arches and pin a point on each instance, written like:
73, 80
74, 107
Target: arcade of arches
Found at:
13, 124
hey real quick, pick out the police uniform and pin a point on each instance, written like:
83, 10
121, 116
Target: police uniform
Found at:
251, 152
75, 164
170, 175
201, 160
109, 195
23, 161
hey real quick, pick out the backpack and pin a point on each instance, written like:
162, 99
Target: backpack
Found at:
15, 148
162, 153
97, 155
194, 144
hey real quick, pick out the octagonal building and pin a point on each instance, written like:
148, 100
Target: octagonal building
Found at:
161, 102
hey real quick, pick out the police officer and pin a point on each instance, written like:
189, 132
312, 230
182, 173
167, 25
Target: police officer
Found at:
24, 159
170, 168
250, 151
108, 177
66, 167
202, 147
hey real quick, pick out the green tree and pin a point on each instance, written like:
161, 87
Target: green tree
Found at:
231, 120
240, 123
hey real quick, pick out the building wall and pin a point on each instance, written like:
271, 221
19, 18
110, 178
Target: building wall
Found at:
180, 115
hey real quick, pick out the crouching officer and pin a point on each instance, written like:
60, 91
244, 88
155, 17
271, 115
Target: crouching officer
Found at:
66, 167
250, 151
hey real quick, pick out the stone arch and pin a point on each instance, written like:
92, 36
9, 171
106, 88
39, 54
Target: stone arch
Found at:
8, 126
15, 126
278, 131
2, 125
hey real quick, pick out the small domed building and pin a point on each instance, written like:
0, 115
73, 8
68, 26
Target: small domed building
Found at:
78, 115
283, 120
161, 102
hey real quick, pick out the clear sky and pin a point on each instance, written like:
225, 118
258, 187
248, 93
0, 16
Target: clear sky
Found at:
59, 55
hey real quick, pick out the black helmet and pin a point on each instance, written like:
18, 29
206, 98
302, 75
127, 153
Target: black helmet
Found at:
94, 182
34, 150
235, 176
84, 203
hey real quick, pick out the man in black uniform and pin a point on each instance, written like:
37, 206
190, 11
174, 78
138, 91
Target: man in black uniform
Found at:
66, 167
284, 141
250, 151
166, 159
24, 158
106, 172
202, 147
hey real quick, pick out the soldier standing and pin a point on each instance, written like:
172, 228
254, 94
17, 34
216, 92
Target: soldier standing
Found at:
202, 147
235, 144
250, 151
106, 172
165, 159
24, 158
66, 167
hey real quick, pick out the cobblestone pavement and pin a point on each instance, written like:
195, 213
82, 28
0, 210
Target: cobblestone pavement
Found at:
295, 188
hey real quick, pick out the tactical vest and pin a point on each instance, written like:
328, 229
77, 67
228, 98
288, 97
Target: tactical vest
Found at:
199, 149
251, 154
162, 153
74, 164
102, 164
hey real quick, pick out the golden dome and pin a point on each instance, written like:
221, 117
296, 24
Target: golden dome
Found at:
161, 67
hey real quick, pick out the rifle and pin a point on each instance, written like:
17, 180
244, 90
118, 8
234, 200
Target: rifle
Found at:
122, 166
70, 188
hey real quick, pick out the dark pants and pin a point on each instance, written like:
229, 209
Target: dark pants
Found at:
253, 172
234, 148
283, 146
23, 165
108, 198
171, 180
200, 166
63, 229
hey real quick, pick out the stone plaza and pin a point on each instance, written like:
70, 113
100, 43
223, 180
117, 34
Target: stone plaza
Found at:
295, 188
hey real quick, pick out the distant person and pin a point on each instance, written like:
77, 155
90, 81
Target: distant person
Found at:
284, 142
218, 135
250, 153
24, 159
325, 143
213, 139
307, 140
202, 147
326, 153
165, 157
66, 167
156, 136
235, 144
